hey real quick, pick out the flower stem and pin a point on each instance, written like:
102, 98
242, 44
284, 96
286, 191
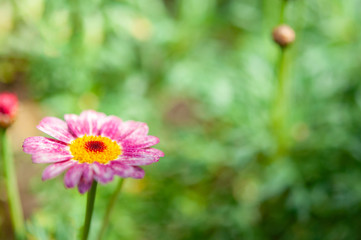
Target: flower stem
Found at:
282, 11
280, 104
89, 210
109, 208
279, 113
16, 211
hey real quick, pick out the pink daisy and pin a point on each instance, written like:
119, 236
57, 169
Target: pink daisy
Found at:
92, 146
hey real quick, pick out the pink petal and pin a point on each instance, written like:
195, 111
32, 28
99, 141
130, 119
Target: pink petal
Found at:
46, 150
140, 156
102, 173
141, 130
139, 142
56, 128
125, 171
50, 157
55, 169
86, 179
149, 151
129, 128
110, 127
74, 124
72, 176
89, 123
44, 145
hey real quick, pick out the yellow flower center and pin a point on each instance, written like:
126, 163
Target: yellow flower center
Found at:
90, 149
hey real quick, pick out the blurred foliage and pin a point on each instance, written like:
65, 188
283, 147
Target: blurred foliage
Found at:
201, 73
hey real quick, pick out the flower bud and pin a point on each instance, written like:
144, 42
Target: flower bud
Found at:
8, 109
283, 35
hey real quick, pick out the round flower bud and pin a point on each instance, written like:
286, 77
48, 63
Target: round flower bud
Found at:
8, 109
283, 35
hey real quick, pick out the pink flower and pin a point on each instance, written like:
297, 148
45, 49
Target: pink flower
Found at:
8, 109
92, 146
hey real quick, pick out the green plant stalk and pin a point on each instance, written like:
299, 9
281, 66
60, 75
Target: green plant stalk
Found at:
279, 111
282, 11
89, 210
279, 114
16, 211
109, 209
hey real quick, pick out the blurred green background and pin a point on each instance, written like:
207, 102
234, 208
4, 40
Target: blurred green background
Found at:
202, 74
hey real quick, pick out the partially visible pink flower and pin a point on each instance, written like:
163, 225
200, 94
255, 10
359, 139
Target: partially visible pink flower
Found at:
92, 146
8, 109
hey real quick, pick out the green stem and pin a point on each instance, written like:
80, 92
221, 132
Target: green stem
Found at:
281, 81
280, 104
279, 111
109, 208
282, 11
16, 211
89, 210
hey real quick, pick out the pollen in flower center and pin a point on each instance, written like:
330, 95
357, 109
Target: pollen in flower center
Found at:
90, 149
